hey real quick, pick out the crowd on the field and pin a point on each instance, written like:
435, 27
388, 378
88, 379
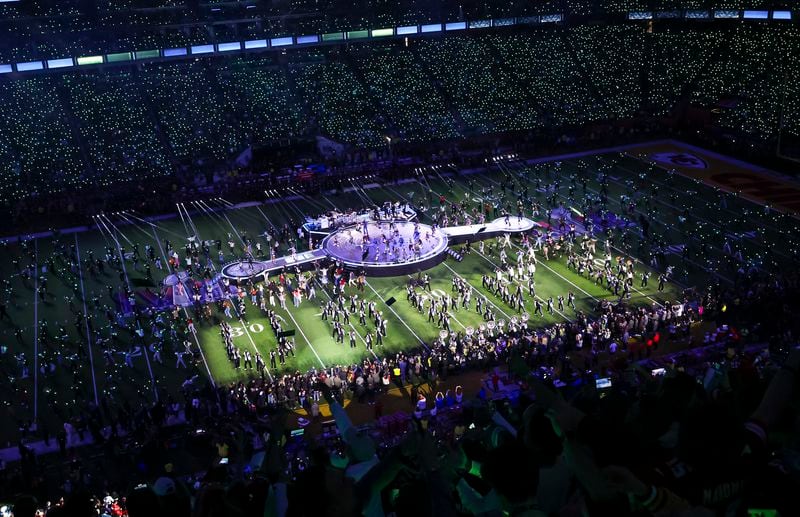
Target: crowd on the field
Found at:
755, 308
691, 435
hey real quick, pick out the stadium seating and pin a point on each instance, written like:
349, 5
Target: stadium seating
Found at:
416, 108
198, 121
745, 82
338, 103
264, 111
616, 81
543, 63
487, 95
670, 71
119, 132
123, 123
39, 151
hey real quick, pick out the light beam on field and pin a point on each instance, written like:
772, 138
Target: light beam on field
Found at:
117, 229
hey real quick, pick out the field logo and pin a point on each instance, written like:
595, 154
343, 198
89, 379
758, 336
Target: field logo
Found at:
255, 328
685, 160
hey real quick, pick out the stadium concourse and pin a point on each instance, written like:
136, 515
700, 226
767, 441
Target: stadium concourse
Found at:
404, 258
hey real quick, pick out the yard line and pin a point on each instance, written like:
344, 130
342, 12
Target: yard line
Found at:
234, 228
449, 313
118, 248
265, 218
724, 192
559, 274
227, 294
35, 330
306, 338
542, 262
86, 320
539, 261
185, 312
308, 341
310, 200
491, 262
129, 214
211, 216
183, 220
537, 297
633, 286
451, 269
233, 305
575, 285
128, 283
477, 291
637, 210
322, 288
288, 219
398, 316
212, 213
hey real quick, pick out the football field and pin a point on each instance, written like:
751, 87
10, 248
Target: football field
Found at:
85, 353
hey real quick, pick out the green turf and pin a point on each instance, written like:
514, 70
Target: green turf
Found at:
83, 371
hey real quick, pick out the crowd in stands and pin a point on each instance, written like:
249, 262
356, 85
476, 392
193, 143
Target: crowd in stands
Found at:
40, 151
72, 16
263, 110
116, 129
668, 79
69, 130
616, 81
746, 84
416, 110
546, 69
486, 94
195, 116
338, 104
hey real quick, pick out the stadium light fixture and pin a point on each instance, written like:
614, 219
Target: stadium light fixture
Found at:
409, 29
28, 66
255, 43
431, 27
756, 15
60, 63
455, 26
229, 46
202, 49
381, 33
174, 52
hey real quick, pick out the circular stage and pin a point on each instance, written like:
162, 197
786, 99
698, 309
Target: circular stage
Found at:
243, 270
387, 248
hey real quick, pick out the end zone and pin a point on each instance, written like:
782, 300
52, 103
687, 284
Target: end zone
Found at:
754, 183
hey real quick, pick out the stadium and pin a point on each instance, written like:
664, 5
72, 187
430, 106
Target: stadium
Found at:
327, 257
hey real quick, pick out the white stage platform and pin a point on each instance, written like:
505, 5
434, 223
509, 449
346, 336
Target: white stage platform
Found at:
512, 224
391, 247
